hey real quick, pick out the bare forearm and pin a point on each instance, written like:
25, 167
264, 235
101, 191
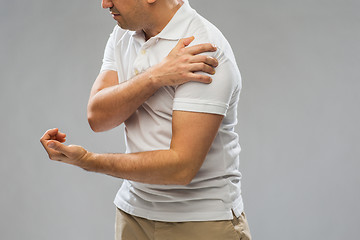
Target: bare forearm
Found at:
111, 106
153, 167
192, 136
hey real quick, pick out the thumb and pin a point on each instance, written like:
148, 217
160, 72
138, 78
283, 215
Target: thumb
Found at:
187, 41
184, 42
57, 146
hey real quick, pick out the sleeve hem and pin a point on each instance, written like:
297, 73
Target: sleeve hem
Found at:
105, 68
195, 105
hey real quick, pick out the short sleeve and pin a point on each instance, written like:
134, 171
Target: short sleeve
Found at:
108, 62
212, 98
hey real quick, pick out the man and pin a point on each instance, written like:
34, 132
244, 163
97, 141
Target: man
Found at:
181, 166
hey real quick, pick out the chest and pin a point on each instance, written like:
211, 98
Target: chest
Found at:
133, 58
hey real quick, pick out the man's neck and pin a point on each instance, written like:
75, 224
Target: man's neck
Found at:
162, 13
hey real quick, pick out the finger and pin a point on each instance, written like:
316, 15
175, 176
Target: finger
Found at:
201, 48
183, 43
53, 134
202, 67
61, 137
187, 41
197, 77
49, 134
205, 59
59, 147
53, 154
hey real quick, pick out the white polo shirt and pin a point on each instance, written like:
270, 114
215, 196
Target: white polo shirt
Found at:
215, 191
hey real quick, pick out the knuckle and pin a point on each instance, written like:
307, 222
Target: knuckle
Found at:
199, 77
216, 62
209, 46
203, 48
207, 79
185, 58
204, 66
184, 68
183, 74
182, 51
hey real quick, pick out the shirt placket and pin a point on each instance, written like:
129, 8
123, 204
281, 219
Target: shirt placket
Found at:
141, 62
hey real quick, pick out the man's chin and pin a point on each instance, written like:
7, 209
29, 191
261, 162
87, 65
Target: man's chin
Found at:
126, 27
122, 26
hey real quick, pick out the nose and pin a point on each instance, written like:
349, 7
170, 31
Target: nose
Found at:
107, 3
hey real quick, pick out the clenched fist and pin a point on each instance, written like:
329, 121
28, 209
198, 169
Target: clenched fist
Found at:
53, 141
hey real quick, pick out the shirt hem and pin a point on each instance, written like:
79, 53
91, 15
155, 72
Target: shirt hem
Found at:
173, 216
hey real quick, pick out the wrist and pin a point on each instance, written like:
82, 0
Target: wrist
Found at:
86, 161
154, 78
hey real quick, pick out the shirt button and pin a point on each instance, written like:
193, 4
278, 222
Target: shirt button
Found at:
136, 72
143, 52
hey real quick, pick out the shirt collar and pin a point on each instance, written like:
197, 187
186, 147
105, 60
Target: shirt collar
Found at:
177, 26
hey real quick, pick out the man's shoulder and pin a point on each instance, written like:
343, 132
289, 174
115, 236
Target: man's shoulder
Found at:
206, 32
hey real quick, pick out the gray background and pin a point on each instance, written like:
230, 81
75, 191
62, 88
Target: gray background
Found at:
299, 116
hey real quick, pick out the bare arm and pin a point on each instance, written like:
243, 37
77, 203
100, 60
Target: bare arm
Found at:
111, 103
193, 134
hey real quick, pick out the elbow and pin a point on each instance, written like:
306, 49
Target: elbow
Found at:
91, 117
100, 121
190, 176
186, 175
186, 168
184, 179
95, 122
95, 117
92, 123
94, 128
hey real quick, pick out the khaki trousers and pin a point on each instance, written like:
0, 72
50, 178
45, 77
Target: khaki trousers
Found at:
128, 227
